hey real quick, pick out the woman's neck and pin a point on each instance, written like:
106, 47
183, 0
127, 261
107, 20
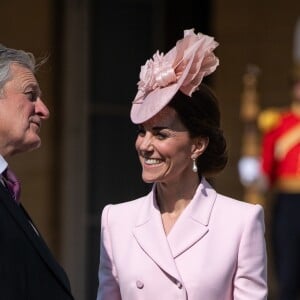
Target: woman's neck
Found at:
174, 197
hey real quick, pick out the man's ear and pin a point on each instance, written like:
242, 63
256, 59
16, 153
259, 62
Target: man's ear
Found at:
199, 146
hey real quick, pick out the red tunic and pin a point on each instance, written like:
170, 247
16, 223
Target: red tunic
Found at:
281, 149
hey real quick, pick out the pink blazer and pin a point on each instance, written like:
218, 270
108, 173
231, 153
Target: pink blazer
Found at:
215, 251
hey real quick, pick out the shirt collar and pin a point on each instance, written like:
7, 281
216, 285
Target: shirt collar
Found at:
3, 164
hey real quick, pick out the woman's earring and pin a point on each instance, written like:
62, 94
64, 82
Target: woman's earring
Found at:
195, 168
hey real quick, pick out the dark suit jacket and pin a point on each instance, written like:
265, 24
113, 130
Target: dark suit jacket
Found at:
27, 268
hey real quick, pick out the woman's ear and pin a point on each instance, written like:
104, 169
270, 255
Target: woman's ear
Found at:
199, 146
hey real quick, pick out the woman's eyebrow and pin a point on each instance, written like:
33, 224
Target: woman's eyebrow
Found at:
159, 127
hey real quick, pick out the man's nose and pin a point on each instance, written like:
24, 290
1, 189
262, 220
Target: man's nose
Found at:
41, 109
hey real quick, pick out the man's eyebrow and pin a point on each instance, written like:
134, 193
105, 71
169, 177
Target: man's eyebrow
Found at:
35, 87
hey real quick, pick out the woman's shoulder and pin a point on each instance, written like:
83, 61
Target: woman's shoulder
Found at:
237, 209
235, 217
228, 203
127, 205
127, 210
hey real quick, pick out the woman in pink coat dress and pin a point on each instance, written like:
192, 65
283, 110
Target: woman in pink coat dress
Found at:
183, 240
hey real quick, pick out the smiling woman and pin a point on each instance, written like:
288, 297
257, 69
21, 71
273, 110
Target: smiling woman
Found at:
164, 147
183, 240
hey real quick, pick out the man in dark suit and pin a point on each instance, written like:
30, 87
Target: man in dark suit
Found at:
27, 268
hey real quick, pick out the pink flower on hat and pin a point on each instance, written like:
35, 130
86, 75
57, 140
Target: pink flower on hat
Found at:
157, 72
182, 68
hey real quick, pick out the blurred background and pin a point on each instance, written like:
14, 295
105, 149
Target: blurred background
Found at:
96, 49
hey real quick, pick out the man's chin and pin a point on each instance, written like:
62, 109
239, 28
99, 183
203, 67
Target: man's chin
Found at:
35, 146
28, 147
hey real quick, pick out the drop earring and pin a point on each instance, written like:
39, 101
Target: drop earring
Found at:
195, 168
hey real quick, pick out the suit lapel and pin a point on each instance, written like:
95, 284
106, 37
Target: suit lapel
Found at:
190, 228
192, 224
44, 252
150, 235
22, 219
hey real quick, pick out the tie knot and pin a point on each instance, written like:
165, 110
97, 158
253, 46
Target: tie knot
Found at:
12, 184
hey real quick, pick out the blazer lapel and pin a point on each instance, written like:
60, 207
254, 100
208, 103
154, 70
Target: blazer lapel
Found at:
192, 225
22, 219
44, 251
150, 235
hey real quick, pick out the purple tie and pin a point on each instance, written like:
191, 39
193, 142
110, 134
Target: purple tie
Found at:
12, 184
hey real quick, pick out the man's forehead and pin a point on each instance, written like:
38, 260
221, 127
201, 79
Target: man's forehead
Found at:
21, 73
17, 68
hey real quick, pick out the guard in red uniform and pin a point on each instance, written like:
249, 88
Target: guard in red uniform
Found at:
281, 169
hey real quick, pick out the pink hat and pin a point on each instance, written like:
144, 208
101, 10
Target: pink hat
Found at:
182, 68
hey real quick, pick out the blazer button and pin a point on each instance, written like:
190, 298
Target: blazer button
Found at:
139, 284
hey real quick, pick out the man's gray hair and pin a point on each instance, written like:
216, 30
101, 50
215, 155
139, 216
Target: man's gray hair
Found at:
9, 56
